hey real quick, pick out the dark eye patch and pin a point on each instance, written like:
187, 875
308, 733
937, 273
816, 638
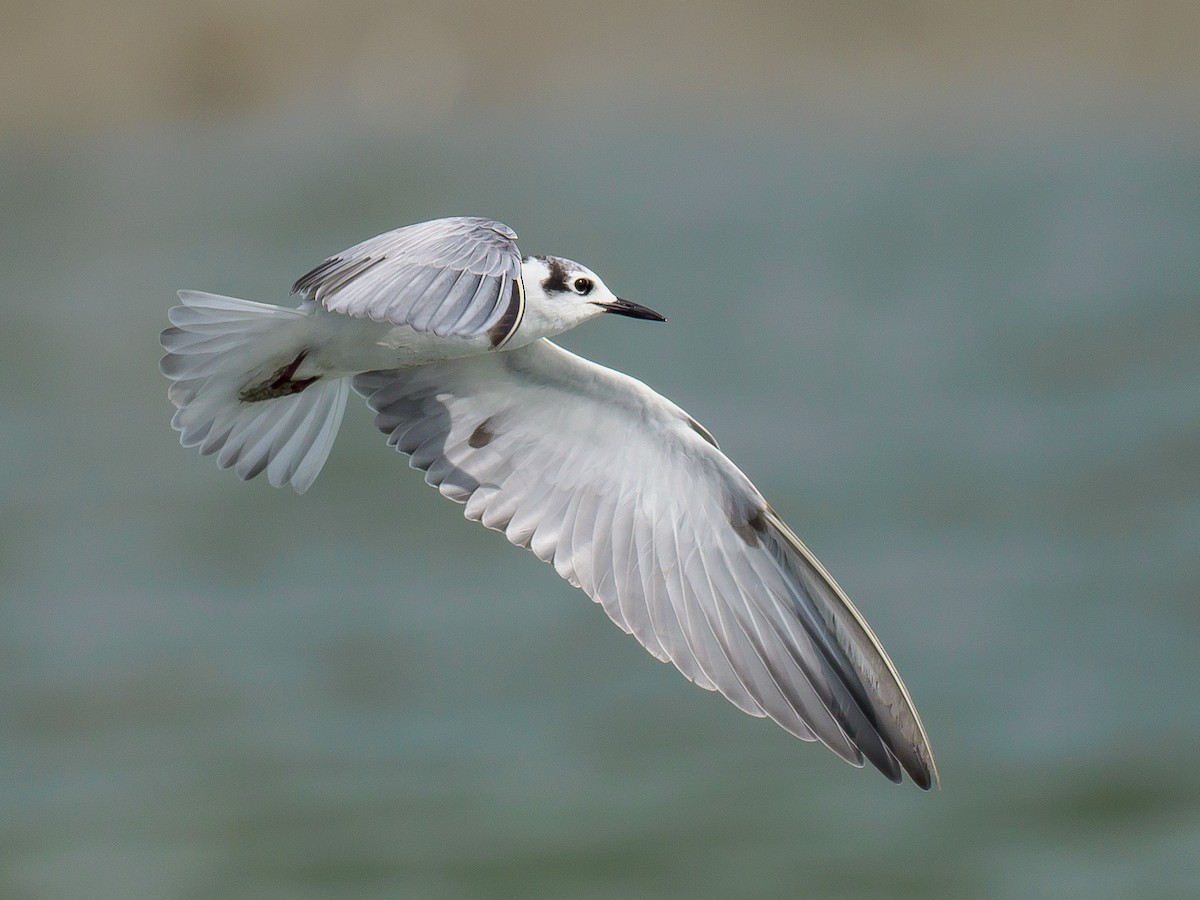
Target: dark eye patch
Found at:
555, 281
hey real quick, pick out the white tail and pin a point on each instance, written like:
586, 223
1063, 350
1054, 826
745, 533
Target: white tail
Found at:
231, 363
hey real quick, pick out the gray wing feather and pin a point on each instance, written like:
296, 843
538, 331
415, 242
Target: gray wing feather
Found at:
612, 485
446, 277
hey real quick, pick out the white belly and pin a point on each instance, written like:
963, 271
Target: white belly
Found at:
342, 345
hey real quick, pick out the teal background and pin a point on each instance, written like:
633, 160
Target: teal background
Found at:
943, 313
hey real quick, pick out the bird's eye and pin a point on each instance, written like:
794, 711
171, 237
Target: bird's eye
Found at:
583, 286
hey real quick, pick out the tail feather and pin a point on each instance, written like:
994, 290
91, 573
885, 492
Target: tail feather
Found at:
218, 350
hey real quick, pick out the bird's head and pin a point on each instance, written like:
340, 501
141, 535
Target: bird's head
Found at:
561, 293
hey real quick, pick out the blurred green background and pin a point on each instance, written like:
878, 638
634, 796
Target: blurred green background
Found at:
932, 274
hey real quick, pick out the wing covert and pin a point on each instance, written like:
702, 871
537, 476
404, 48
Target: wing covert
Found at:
456, 276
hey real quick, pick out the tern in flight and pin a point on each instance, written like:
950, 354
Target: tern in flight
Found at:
444, 327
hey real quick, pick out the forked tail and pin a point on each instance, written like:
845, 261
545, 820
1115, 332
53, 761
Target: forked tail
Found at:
234, 367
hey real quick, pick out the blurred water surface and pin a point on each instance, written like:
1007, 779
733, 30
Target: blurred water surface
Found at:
961, 361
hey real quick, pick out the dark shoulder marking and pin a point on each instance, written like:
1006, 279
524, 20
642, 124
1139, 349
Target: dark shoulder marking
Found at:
507, 324
556, 280
751, 527
482, 435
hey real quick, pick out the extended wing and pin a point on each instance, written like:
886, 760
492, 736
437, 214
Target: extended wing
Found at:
458, 276
629, 499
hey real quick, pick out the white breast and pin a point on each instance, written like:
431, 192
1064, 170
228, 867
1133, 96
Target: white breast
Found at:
342, 345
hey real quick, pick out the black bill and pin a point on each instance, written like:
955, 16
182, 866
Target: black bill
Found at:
633, 310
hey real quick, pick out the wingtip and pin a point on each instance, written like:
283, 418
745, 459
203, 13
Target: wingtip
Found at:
901, 730
922, 771
932, 778
921, 780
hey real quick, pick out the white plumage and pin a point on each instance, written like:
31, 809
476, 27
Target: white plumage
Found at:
619, 489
